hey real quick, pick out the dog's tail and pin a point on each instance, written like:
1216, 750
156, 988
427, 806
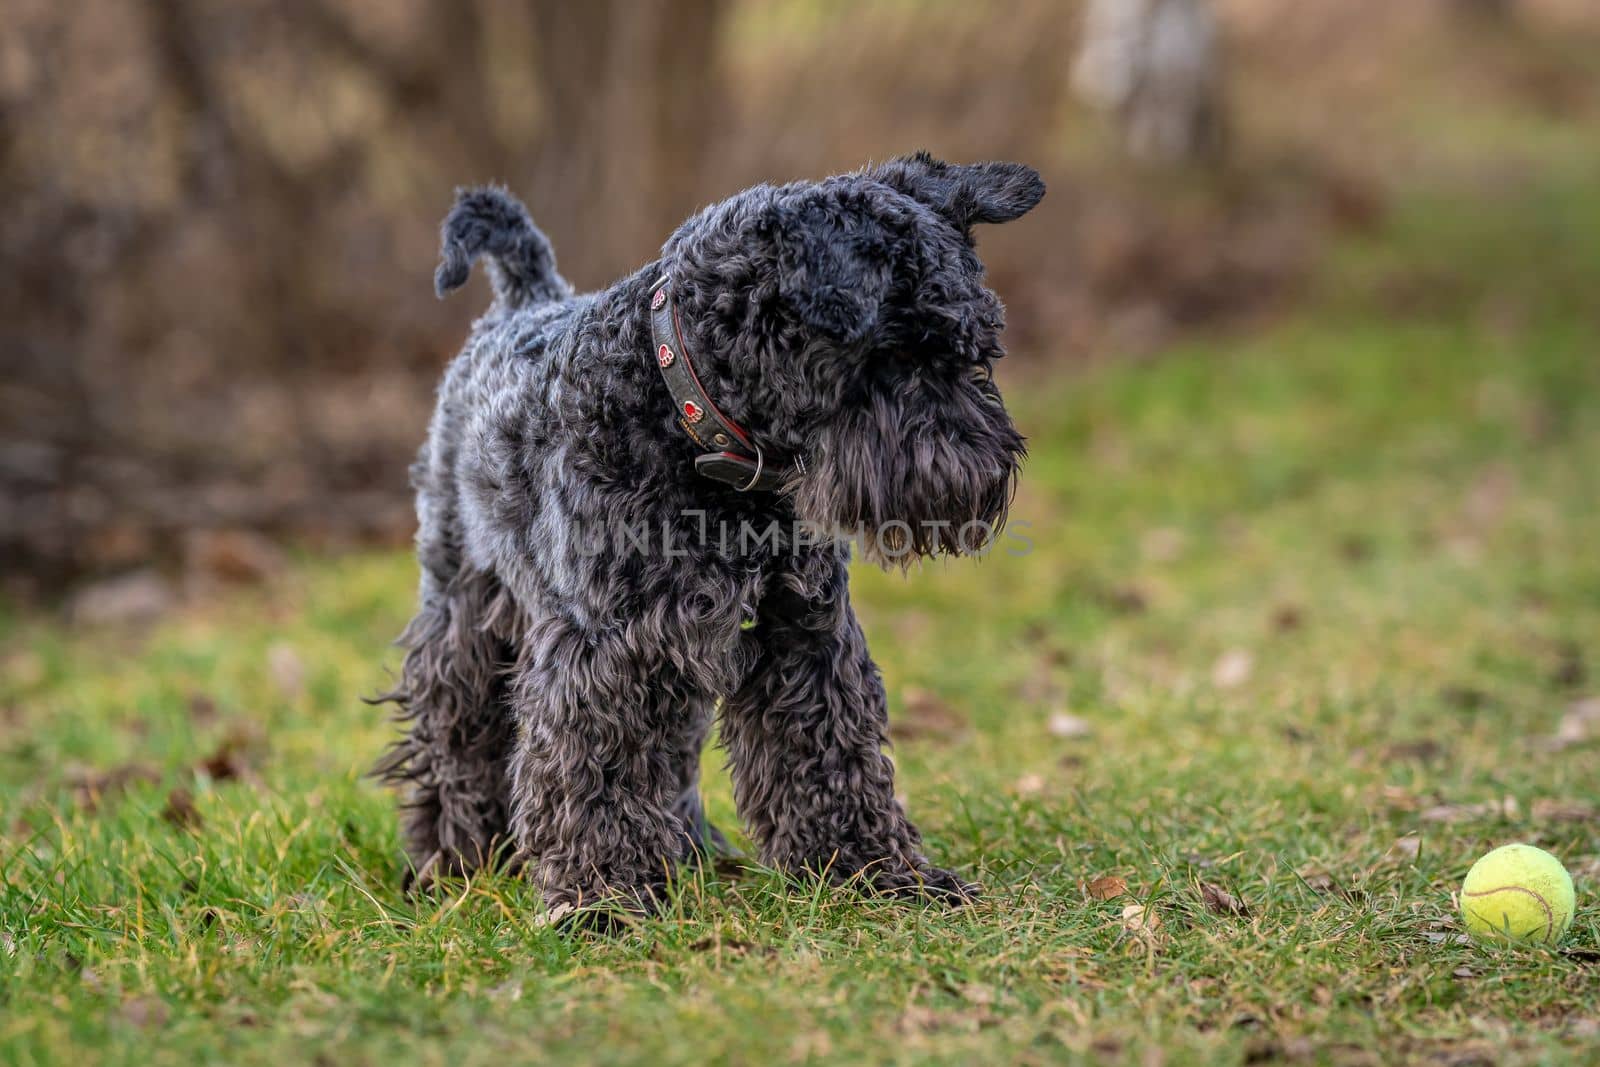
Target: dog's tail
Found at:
489, 221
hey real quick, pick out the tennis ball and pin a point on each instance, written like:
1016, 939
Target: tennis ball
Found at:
1518, 893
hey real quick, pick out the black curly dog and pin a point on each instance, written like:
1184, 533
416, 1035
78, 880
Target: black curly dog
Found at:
639, 502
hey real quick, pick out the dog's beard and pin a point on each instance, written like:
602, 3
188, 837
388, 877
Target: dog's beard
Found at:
906, 481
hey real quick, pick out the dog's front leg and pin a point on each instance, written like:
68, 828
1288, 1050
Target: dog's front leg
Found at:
603, 737
805, 736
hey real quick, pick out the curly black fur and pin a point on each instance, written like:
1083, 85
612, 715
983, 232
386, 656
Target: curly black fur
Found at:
558, 686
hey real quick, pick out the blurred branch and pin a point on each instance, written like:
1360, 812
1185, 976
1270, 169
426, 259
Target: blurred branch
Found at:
178, 59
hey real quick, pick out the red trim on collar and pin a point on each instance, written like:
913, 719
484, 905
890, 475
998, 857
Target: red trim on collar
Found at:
728, 454
705, 397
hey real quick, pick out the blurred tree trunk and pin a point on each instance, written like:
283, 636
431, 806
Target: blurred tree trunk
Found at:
186, 344
632, 95
1154, 66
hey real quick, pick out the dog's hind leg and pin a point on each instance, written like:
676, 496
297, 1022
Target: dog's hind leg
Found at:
452, 693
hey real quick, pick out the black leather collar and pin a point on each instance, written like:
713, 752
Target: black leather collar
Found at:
728, 454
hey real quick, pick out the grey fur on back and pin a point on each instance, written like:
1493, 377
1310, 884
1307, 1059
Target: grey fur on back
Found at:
560, 680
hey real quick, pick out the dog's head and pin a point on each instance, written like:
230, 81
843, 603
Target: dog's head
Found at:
852, 331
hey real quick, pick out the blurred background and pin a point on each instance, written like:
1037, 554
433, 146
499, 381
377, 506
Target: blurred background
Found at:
220, 222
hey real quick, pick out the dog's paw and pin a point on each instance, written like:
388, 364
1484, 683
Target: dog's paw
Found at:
593, 920
928, 885
610, 917
609, 912
419, 879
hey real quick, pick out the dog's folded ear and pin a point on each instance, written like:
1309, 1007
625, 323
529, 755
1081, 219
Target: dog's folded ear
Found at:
834, 268
965, 193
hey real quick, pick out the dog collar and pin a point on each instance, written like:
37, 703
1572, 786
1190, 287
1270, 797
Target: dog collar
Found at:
727, 453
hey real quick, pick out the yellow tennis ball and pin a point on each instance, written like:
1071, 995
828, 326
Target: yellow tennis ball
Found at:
1518, 893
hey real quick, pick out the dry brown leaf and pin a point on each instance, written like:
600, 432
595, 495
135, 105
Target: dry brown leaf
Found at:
1569, 671
1069, 726
1424, 750
722, 946
1029, 785
202, 709
180, 810
91, 786
139, 597
1354, 548
1579, 725
1554, 809
1109, 1048
1399, 798
1041, 685
240, 556
925, 1019
1108, 887
1451, 813
1233, 669
981, 995
1162, 544
145, 1011
924, 716
1504, 808
24, 668
287, 670
920, 1019
1487, 499
1287, 617
1585, 868
1409, 846
1144, 924
1222, 902
1464, 697
1321, 881
233, 758
1445, 937
1124, 599
509, 991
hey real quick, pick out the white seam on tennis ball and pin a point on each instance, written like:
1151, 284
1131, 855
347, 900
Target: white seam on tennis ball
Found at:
1549, 912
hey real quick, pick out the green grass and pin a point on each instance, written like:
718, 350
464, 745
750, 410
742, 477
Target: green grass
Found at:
1381, 513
